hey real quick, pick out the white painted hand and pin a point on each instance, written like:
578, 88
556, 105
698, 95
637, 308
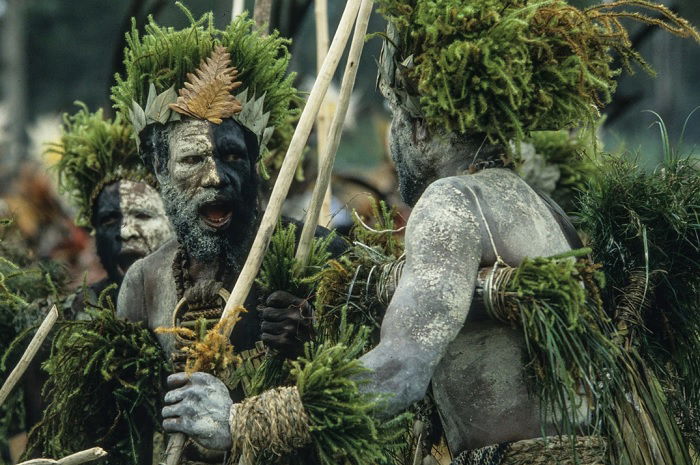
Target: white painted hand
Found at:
198, 405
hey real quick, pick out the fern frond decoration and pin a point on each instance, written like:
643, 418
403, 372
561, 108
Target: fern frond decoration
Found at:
163, 56
207, 92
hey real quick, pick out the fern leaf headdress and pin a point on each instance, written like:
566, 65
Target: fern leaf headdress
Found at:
94, 152
211, 74
504, 68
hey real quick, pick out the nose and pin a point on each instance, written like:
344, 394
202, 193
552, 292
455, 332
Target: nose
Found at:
128, 229
210, 176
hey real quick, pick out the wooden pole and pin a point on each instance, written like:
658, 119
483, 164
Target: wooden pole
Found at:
237, 8
279, 192
74, 459
261, 14
29, 354
324, 117
325, 170
291, 160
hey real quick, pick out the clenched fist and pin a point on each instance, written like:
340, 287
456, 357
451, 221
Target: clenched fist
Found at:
198, 405
286, 323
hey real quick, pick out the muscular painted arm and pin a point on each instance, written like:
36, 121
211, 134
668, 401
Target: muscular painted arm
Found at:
131, 303
443, 252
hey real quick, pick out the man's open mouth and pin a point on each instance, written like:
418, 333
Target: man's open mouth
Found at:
127, 257
216, 215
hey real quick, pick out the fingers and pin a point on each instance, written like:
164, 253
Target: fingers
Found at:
177, 425
280, 314
282, 327
281, 299
281, 342
177, 380
181, 409
176, 395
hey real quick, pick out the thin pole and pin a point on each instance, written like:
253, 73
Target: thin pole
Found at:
73, 459
261, 13
29, 354
237, 8
328, 158
291, 160
279, 192
324, 116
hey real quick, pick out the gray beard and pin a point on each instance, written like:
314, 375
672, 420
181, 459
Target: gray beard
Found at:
225, 248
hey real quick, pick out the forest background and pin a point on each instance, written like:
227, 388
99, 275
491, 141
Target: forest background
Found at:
54, 52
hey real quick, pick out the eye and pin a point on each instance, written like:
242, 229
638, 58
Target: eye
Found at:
143, 215
192, 159
232, 157
109, 219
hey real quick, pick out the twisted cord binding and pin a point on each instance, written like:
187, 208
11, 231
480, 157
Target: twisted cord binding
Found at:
274, 420
495, 296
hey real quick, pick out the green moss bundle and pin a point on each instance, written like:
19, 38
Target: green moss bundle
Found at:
644, 226
163, 56
95, 152
342, 419
578, 360
105, 386
506, 68
562, 164
280, 269
358, 285
27, 289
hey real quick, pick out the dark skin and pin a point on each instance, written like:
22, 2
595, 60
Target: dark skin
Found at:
227, 169
209, 184
286, 322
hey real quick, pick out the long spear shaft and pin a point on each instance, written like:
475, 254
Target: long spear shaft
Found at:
291, 160
328, 158
262, 12
236, 8
29, 354
323, 119
279, 192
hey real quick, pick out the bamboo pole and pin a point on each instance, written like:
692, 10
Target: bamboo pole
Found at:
291, 160
251, 267
325, 170
237, 8
261, 14
74, 459
29, 354
324, 117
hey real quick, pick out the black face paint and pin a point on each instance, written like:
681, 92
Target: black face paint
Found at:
130, 223
107, 221
210, 188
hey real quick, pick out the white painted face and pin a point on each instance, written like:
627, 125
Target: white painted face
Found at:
130, 223
145, 227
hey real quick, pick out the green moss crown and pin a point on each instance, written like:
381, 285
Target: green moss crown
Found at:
163, 56
504, 68
94, 152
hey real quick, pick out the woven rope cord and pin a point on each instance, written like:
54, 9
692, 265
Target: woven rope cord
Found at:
274, 420
554, 450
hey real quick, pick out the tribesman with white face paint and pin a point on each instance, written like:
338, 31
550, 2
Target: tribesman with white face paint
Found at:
99, 168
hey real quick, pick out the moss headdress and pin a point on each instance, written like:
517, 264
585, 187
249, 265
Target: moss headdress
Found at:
504, 68
204, 64
95, 152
